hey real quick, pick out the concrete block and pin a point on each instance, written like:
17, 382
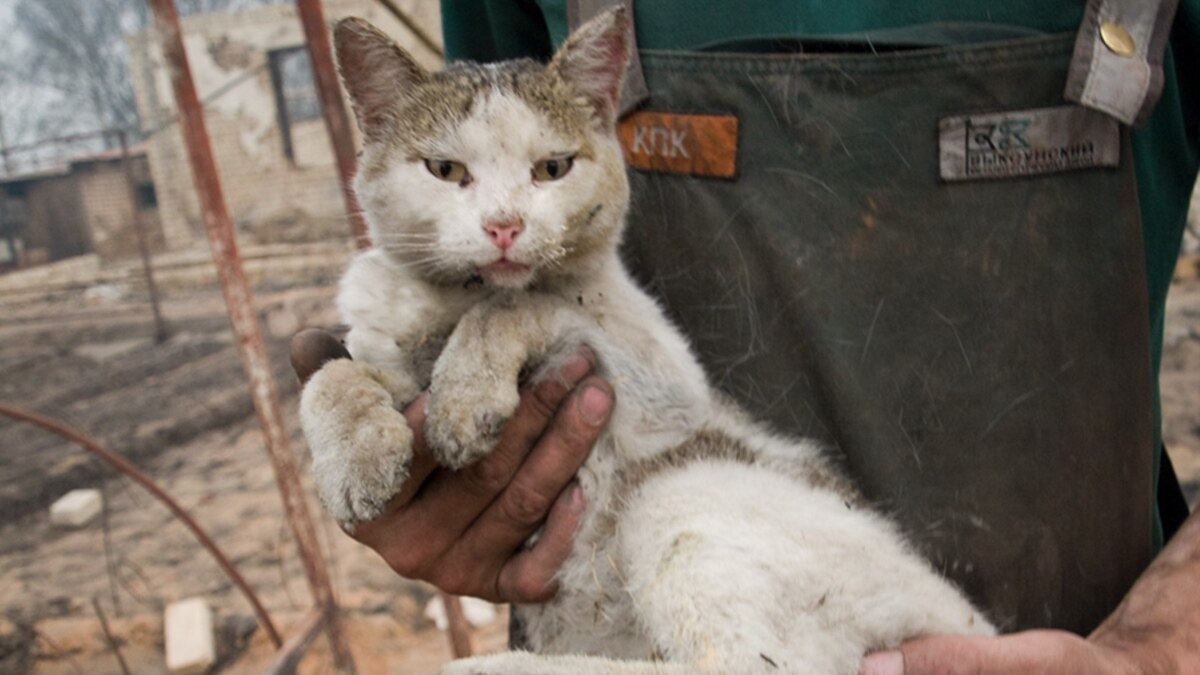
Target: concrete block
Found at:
191, 643
76, 508
478, 613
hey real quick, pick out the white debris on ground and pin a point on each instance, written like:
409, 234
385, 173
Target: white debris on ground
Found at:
76, 508
190, 643
478, 613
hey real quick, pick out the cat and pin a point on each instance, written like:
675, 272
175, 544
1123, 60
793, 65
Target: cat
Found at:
496, 196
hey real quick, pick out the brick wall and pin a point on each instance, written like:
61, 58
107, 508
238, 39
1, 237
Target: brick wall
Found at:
56, 226
109, 208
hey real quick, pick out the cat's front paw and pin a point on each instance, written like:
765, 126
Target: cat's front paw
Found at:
463, 424
361, 445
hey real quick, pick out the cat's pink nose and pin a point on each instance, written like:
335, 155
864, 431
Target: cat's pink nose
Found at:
504, 232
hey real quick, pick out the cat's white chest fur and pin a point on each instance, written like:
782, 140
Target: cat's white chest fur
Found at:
496, 196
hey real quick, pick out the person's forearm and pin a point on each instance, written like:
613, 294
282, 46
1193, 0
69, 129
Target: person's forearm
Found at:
1158, 622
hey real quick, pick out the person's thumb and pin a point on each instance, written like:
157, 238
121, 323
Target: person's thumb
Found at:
312, 348
943, 655
1029, 653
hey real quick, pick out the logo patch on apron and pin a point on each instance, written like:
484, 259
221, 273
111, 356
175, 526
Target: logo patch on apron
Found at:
1026, 143
696, 145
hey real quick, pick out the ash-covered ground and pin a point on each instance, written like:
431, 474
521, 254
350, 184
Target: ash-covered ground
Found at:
181, 411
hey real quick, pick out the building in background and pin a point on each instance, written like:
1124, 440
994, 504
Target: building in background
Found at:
272, 151
84, 205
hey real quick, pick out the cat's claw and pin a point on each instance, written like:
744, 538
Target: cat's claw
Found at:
361, 445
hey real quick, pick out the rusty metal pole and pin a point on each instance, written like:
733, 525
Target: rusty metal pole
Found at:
139, 227
415, 29
288, 656
457, 628
244, 320
333, 109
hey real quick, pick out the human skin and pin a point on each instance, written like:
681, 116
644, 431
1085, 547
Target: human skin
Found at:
463, 532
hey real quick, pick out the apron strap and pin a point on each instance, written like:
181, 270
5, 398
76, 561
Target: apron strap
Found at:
1117, 64
1116, 68
634, 92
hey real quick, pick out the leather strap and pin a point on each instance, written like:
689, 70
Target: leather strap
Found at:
1117, 64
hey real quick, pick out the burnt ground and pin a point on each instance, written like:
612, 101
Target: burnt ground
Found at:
181, 411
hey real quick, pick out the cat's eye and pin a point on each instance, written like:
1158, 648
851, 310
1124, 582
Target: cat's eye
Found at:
553, 168
447, 170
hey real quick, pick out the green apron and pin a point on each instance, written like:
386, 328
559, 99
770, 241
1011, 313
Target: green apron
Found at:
977, 350
879, 273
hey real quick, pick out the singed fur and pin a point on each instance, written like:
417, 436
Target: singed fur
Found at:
709, 544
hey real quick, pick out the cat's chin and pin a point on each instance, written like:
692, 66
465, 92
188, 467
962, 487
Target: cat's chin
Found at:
506, 274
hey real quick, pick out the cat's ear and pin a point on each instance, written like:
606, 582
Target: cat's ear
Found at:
593, 60
375, 71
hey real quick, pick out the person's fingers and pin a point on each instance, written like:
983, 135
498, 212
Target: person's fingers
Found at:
531, 575
311, 348
883, 663
468, 491
551, 465
423, 462
447, 503
1029, 653
943, 655
381, 530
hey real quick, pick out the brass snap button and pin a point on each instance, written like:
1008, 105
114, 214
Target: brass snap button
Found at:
1117, 39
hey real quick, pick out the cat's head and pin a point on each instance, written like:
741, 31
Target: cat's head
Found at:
508, 172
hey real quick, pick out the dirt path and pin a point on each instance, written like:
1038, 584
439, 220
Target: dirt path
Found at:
181, 411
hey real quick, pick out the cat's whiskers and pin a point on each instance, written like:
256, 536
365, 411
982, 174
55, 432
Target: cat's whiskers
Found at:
420, 247
551, 258
408, 236
416, 261
408, 241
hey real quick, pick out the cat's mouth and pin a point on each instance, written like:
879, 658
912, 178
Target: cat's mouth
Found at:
505, 273
503, 266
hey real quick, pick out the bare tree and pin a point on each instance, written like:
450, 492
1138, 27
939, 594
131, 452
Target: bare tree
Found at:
19, 118
75, 52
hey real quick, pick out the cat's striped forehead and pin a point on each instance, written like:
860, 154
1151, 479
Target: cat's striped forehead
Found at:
449, 97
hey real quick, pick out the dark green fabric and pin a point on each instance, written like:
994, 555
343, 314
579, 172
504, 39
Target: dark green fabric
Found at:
487, 30
1166, 148
838, 289
1167, 154
686, 24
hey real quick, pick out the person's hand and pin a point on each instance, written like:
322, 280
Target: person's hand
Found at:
1152, 632
1037, 652
464, 531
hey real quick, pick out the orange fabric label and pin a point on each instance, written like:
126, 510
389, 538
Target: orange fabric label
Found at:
697, 145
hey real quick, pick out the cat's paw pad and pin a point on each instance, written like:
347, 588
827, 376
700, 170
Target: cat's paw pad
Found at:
361, 445
462, 429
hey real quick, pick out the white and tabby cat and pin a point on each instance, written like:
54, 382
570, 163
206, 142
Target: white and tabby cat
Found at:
496, 195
